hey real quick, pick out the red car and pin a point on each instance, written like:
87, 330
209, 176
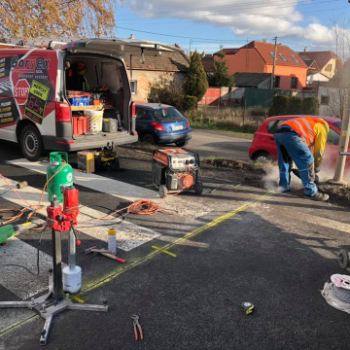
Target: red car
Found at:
263, 147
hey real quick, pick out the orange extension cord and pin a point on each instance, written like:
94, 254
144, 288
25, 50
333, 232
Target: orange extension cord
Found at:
29, 207
140, 207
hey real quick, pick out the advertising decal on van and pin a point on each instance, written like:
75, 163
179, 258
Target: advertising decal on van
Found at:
27, 86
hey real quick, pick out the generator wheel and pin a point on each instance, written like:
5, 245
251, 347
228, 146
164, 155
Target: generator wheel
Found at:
198, 188
163, 191
343, 259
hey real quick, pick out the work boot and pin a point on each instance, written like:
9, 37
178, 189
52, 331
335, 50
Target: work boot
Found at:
320, 197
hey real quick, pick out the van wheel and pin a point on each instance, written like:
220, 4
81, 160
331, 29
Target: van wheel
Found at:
31, 143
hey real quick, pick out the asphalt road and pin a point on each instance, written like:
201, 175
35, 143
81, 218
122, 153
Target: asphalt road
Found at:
229, 246
220, 144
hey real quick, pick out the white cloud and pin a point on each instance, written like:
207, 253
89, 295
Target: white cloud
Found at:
245, 19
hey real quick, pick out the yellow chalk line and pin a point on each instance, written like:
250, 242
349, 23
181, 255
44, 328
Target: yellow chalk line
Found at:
109, 278
14, 326
164, 251
79, 300
93, 285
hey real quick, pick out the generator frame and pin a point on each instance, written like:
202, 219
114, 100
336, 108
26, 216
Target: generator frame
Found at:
162, 168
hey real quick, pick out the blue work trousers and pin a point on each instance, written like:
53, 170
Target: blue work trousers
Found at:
291, 147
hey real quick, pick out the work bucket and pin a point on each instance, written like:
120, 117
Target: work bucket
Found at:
96, 120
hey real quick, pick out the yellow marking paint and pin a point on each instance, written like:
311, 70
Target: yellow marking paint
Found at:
14, 326
109, 278
26, 224
93, 285
164, 251
79, 300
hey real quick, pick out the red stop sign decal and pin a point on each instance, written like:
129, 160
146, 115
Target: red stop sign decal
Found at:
21, 91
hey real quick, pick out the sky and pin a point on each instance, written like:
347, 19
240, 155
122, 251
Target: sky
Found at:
207, 26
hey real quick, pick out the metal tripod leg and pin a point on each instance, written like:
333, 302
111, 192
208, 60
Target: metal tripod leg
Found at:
46, 330
53, 303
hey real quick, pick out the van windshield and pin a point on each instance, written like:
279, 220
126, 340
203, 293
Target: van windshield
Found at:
167, 114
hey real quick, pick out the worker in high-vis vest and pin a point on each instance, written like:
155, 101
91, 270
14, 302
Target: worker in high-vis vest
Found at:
293, 140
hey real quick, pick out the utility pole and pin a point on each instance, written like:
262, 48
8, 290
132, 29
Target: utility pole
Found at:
189, 52
343, 145
272, 83
343, 140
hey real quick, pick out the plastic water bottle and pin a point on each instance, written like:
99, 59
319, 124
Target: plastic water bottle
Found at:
112, 240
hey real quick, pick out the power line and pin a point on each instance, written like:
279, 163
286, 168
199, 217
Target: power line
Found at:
245, 5
188, 19
176, 36
246, 9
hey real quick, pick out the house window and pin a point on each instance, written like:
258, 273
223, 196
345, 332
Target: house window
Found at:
283, 58
295, 59
324, 100
277, 81
272, 54
329, 67
294, 84
133, 86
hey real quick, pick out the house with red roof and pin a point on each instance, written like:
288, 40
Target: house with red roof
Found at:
327, 62
257, 57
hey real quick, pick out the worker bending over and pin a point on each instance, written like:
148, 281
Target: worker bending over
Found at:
293, 139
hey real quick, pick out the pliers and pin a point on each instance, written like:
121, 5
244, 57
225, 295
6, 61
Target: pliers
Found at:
137, 325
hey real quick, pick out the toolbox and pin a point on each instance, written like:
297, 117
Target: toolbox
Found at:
110, 125
81, 125
86, 161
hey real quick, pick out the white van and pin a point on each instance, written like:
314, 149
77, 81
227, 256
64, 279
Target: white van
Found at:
49, 89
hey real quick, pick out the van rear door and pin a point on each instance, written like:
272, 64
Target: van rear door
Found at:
118, 47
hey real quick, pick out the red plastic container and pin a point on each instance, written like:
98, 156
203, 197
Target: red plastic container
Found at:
81, 125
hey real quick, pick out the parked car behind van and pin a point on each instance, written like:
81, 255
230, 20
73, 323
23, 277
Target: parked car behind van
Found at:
162, 124
54, 94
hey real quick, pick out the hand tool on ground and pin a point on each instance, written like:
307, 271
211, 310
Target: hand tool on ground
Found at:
248, 307
54, 302
105, 253
137, 325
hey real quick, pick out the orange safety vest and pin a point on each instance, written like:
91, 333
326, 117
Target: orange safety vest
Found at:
305, 127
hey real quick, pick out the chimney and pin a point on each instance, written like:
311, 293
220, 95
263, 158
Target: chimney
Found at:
305, 49
132, 36
264, 40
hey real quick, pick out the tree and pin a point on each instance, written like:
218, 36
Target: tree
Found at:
56, 18
280, 105
221, 76
196, 83
294, 105
310, 105
166, 90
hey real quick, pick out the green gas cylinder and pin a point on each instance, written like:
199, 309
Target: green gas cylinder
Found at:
63, 178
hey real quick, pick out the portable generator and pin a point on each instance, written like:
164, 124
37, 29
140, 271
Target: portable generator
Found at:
176, 170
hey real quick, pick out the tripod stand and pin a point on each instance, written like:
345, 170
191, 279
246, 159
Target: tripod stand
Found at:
54, 302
